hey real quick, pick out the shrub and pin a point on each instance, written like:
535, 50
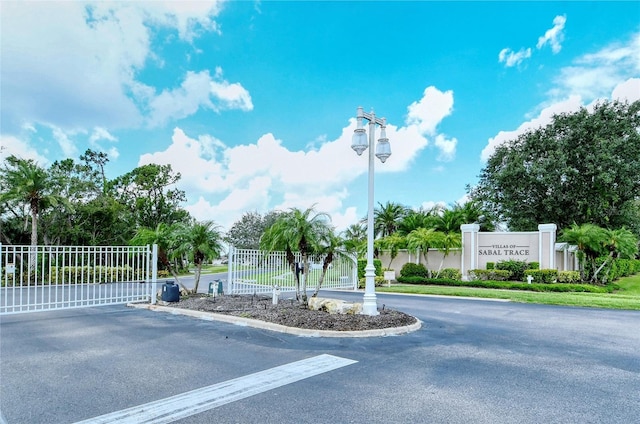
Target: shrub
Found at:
544, 276
534, 265
516, 268
379, 281
362, 263
414, 270
508, 285
489, 274
569, 277
491, 265
450, 274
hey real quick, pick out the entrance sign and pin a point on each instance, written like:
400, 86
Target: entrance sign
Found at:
533, 246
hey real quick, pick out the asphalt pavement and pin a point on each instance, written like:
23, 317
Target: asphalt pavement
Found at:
472, 361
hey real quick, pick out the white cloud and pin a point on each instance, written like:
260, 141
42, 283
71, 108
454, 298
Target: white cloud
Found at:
231, 96
67, 145
628, 90
447, 147
101, 134
198, 90
554, 36
569, 105
597, 74
86, 57
10, 145
610, 73
511, 58
430, 110
228, 181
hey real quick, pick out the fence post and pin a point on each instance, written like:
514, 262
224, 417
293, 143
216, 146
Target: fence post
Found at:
154, 273
354, 271
230, 287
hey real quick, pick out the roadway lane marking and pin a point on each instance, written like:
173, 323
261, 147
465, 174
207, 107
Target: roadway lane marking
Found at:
196, 401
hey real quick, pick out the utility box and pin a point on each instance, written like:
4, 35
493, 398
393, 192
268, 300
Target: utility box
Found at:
170, 292
212, 287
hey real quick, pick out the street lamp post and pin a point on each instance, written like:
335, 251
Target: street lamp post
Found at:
359, 143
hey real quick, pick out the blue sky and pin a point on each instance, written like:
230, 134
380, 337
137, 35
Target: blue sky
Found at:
254, 103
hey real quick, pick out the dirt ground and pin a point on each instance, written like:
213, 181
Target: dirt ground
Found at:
291, 314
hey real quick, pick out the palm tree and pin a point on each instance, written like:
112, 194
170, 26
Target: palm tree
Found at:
28, 183
165, 236
355, 239
329, 249
590, 241
393, 243
418, 219
302, 231
471, 212
423, 239
387, 217
620, 243
200, 241
449, 241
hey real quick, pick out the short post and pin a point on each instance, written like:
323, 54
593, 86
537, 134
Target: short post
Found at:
276, 294
529, 278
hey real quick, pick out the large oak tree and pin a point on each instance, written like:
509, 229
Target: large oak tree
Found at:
583, 167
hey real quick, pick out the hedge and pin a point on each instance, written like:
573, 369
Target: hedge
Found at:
544, 276
555, 287
489, 274
362, 263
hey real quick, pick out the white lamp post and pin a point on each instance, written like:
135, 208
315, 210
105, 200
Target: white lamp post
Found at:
359, 143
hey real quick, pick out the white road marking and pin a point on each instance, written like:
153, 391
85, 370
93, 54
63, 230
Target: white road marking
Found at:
196, 401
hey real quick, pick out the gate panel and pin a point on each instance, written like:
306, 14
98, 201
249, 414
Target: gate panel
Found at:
60, 277
258, 272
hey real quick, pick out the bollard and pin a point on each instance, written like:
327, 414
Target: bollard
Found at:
276, 294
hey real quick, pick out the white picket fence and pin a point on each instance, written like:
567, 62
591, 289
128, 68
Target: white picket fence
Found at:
43, 278
257, 272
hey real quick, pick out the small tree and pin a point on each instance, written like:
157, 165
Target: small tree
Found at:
302, 231
423, 239
393, 243
199, 241
165, 236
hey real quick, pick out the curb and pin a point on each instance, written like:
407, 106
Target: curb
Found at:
302, 332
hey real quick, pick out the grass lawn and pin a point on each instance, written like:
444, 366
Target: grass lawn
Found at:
627, 297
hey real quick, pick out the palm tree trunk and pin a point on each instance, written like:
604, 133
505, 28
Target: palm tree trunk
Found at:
305, 276
33, 249
197, 276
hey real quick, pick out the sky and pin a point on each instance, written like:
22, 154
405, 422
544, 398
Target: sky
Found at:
254, 102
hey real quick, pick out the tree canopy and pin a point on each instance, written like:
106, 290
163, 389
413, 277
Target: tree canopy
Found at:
583, 167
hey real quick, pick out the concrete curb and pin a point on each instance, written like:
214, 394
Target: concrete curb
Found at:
302, 332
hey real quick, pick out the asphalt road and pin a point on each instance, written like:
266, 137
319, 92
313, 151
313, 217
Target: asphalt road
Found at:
472, 361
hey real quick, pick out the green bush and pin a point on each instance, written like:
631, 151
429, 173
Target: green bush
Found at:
379, 281
570, 277
362, 263
88, 274
534, 265
508, 285
414, 270
515, 268
489, 274
450, 274
424, 280
542, 276
491, 265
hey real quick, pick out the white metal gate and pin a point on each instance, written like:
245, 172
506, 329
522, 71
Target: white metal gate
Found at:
61, 277
255, 271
